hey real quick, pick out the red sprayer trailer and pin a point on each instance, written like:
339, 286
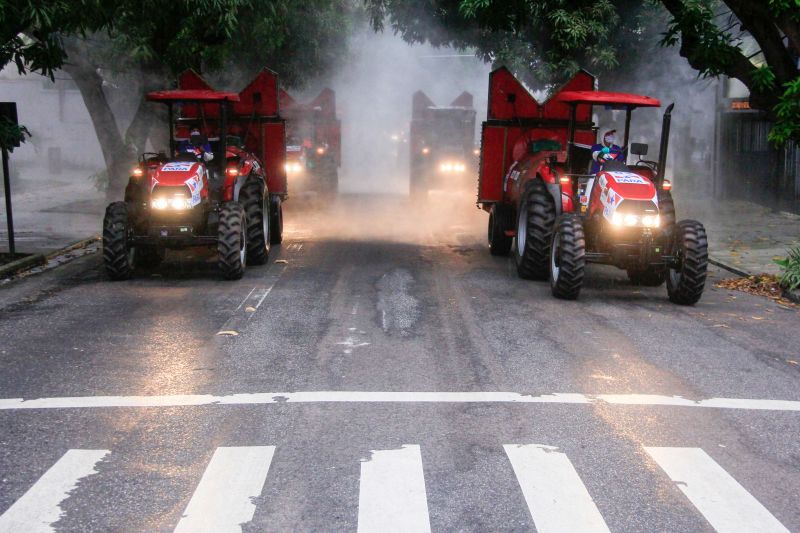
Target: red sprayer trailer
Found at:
313, 142
213, 187
442, 144
554, 216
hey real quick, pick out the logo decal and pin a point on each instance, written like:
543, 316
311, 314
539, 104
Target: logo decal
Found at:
177, 167
628, 178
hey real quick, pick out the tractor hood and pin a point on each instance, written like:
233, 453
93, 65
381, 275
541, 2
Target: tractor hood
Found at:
178, 173
628, 185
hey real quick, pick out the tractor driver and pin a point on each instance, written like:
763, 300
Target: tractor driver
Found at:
197, 145
608, 151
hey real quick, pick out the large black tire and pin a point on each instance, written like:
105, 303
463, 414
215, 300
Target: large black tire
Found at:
536, 218
647, 277
276, 220
501, 219
232, 240
255, 201
118, 255
686, 281
567, 257
666, 209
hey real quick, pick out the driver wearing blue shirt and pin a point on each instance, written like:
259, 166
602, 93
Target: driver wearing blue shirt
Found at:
607, 151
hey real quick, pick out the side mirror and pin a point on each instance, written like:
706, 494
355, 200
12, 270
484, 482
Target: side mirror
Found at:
638, 149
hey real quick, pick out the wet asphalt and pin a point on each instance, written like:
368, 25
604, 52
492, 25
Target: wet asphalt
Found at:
373, 294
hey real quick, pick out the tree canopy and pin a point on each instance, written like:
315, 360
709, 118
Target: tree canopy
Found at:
548, 40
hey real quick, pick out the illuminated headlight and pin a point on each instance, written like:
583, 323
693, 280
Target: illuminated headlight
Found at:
177, 203
651, 221
446, 167
459, 167
450, 166
630, 220
293, 167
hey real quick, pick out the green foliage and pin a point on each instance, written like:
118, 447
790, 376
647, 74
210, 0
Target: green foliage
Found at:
764, 78
12, 134
787, 113
790, 269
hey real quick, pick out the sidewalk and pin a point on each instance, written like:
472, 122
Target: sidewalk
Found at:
52, 213
743, 235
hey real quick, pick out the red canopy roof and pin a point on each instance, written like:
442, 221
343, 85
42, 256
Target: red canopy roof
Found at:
607, 98
196, 95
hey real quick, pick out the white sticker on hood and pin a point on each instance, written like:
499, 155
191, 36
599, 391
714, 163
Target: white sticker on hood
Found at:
177, 167
628, 178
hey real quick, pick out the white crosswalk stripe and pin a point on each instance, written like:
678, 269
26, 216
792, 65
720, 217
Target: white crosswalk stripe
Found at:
557, 498
392, 494
726, 505
39, 508
222, 501
392, 491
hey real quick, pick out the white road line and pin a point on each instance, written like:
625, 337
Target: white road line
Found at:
39, 508
556, 496
258, 398
392, 494
223, 500
726, 505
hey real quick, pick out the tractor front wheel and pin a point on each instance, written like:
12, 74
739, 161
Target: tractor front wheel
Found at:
255, 201
500, 220
118, 255
535, 220
687, 278
567, 257
232, 240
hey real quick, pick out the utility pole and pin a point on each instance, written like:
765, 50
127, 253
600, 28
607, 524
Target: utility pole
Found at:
9, 215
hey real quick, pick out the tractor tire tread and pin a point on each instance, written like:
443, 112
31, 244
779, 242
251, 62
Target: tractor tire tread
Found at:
689, 289
569, 229
535, 260
232, 219
252, 199
116, 255
501, 219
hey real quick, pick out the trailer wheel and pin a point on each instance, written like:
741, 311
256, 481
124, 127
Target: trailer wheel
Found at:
500, 220
118, 255
647, 277
256, 207
567, 257
685, 281
535, 221
232, 240
276, 220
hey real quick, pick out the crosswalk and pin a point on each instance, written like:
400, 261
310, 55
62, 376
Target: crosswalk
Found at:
393, 496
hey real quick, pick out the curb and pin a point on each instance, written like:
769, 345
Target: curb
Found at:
25, 263
35, 260
77, 245
792, 296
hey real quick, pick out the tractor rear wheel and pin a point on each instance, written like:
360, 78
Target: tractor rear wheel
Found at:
685, 281
535, 221
567, 257
276, 220
118, 255
232, 240
500, 220
255, 201
647, 277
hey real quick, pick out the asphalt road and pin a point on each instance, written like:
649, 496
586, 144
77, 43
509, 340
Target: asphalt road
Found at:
382, 373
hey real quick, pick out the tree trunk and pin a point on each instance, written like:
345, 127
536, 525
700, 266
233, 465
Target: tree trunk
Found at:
116, 154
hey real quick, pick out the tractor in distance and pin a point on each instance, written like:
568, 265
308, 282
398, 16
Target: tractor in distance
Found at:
313, 142
554, 215
441, 145
209, 189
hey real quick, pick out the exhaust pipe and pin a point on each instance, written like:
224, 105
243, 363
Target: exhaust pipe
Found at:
662, 151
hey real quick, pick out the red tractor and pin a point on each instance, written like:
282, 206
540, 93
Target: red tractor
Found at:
442, 144
554, 214
210, 189
313, 142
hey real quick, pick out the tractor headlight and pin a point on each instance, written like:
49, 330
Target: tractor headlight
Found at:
293, 167
631, 220
448, 167
175, 203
